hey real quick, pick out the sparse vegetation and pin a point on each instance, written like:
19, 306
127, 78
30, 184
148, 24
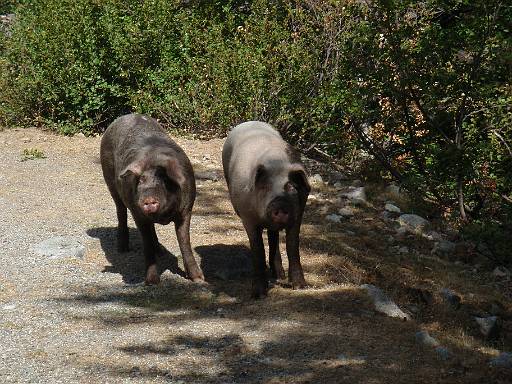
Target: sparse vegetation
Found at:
32, 154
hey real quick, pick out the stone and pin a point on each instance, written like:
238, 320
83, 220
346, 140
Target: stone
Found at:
443, 248
403, 250
501, 272
489, 326
503, 360
433, 236
80, 134
413, 223
443, 352
316, 179
337, 177
424, 338
25, 139
393, 191
451, 298
356, 183
392, 208
356, 195
346, 212
206, 175
338, 185
333, 218
384, 304
60, 247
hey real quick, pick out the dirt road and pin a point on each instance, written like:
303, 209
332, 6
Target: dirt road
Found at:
90, 319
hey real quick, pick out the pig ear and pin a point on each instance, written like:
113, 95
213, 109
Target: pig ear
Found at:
297, 176
261, 176
134, 168
174, 171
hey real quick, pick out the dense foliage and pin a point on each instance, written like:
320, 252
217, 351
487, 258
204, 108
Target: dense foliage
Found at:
423, 86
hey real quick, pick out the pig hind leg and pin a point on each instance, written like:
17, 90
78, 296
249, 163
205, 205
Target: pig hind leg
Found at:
276, 264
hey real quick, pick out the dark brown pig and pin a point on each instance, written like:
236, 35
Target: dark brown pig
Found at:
149, 174
268, 187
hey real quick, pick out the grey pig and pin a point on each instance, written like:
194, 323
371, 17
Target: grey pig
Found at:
149, 174
268, 188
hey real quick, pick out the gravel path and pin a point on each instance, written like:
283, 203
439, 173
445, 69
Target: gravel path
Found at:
90, 319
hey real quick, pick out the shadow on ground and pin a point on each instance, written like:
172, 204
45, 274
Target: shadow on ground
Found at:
130, 265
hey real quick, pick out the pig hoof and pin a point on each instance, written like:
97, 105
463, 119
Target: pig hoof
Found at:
259, 290
298, 282
278, 275
199, 280
152, 276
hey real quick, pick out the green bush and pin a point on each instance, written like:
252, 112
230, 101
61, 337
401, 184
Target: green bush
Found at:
424, 86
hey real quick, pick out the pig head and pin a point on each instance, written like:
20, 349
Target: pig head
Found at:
268, 188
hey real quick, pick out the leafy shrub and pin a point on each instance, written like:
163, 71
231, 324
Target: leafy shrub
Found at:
423, 86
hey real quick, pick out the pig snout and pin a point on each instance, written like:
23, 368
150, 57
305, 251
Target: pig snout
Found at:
279, 216
150, 205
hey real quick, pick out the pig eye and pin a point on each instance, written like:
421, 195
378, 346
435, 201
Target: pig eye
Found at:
261, 176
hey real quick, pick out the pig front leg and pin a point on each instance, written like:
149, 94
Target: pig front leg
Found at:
150, 245
295, 273
183, 234
122, 225
259, 283
276, 264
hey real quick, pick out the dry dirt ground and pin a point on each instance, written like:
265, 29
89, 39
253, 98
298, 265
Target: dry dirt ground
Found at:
90, 319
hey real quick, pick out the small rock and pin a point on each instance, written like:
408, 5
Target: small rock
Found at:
503, 360
501, 272
451, 297
206, 156
443, 247
393, 191
338, 185
384, 304
59, 247
403, 250
413, 223
392, 208
8, 307
80, 134
346, 212
316, 179
443, 352
390, 239
323, 210
337, 177
25, 139
424, 338
207, 175
356, 195
334, 218
356, 183
489, 326
433, 236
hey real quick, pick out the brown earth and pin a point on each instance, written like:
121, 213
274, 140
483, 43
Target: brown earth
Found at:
91, 319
